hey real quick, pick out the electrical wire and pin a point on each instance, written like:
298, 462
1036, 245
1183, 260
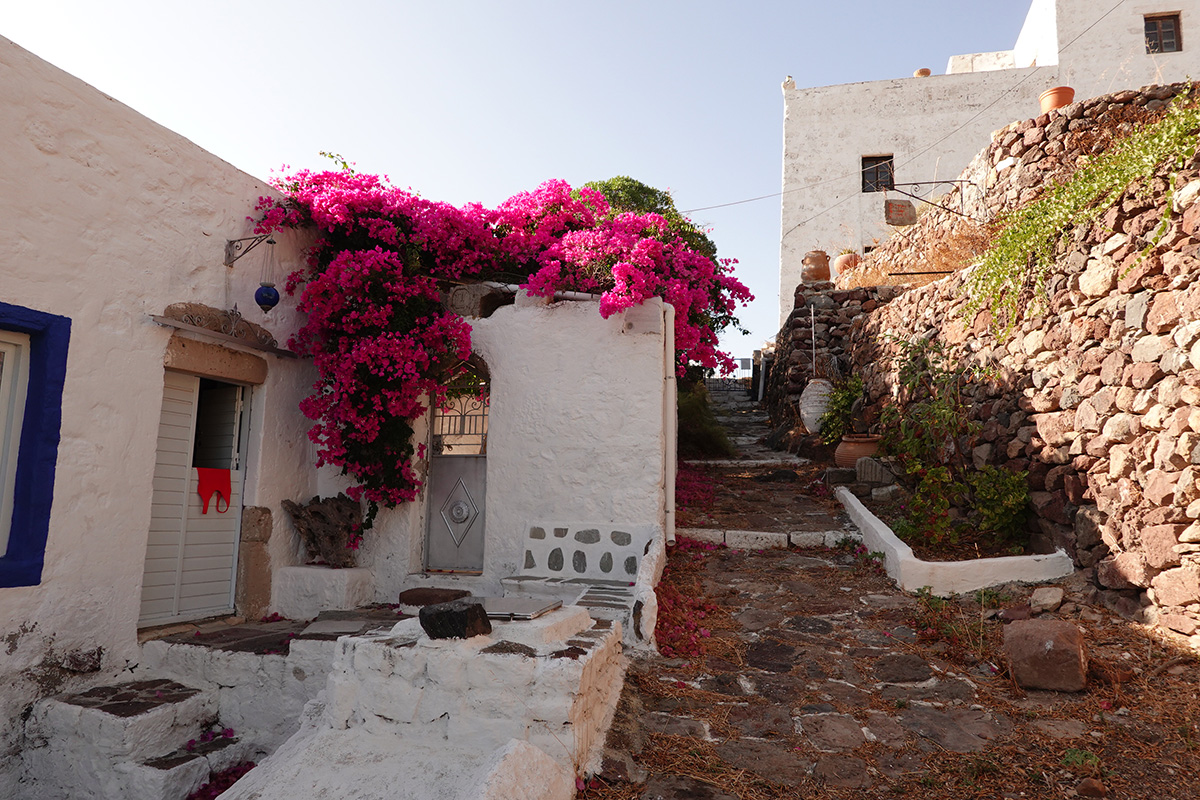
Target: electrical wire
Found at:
908, 161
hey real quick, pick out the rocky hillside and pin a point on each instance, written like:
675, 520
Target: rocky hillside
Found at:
1098, 396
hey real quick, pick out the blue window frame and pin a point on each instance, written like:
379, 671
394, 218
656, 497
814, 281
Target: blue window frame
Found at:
37, 441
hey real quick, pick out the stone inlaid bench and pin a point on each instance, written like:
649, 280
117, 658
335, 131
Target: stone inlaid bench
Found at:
591, 565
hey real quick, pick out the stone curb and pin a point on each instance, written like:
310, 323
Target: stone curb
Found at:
948, 577
766, 540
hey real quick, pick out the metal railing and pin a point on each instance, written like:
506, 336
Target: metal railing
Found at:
738, 380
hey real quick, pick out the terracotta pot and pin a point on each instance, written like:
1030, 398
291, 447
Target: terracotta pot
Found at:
1057, 97
815, 266
846, 261
855, 446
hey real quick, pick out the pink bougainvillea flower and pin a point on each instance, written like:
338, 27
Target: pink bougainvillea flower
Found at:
385, 348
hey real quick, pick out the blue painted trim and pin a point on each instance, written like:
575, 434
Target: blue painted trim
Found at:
37, 454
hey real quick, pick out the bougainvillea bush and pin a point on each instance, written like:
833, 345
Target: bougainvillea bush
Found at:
385, 347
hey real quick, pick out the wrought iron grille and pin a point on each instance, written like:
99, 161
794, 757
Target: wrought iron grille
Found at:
737, 380
460, 428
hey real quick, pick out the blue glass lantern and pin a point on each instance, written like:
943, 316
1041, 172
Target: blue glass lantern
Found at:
267, 296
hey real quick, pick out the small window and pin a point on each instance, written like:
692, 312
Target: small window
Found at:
1162, 34
14, 378
33, 348
878, 173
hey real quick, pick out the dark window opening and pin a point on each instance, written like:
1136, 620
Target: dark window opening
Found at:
218, 425
878, 173
1162, 34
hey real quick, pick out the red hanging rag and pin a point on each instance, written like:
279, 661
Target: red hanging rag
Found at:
210, 482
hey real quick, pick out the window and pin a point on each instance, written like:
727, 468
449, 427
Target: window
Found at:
1162, 34
14, 379
33, 351
878, 173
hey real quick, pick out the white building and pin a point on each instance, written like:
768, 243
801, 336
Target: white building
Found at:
111, 397
841, 143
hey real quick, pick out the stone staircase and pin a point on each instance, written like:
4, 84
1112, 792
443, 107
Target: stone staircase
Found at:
145, 740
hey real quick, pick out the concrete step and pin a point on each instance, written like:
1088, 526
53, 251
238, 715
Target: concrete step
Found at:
176, 775
127, 741
129, 721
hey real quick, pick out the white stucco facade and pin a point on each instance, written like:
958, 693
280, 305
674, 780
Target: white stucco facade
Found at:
933, 126
107, 218
576, 434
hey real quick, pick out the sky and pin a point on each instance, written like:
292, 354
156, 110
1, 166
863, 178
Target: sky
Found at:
477, 100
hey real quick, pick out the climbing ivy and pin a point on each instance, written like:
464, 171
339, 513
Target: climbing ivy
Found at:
1023, 251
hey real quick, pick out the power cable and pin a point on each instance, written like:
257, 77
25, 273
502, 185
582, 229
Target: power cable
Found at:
929, 147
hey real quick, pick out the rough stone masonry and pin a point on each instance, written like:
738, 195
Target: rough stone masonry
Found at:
1099, 397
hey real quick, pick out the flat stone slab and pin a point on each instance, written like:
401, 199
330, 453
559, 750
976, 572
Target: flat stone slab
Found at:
774, 762
429, 595
843, 772
902, 668
761, 721
676, 787
333, 627
962, 731
131, 699
771, 656
831, 732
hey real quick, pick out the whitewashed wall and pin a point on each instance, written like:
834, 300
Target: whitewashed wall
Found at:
828, 129
575, 433
107, 217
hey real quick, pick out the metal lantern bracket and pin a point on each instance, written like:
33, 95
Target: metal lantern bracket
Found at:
236, 248
916, 190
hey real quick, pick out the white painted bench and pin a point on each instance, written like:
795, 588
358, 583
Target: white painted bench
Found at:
595, 566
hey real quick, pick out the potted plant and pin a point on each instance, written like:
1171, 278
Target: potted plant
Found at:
1057, 97
841, 422
847, 260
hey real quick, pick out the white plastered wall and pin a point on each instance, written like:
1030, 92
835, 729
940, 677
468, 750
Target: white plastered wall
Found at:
106, 218
828, 130
575, 432
935, 125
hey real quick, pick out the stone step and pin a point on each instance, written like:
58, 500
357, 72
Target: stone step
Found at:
129, 721
176, 775
125, 742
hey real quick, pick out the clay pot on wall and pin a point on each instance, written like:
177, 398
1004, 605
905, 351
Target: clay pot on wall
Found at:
855, 446
815, 266
1057, 97
846, 261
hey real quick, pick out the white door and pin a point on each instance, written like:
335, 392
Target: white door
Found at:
191, 554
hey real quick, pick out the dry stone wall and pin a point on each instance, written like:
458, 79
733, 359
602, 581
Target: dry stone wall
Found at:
1097, 390
819, 324
1022, 159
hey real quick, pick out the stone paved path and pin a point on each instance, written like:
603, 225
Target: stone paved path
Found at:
823, 680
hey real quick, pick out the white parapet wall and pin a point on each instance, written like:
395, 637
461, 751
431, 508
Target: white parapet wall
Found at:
945, 578
304, 592
517, 713
260, 696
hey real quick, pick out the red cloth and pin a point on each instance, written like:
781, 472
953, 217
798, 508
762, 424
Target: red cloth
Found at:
210, 482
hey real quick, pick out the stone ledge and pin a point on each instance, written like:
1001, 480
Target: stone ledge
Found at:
948, 577
304, 592
765, 540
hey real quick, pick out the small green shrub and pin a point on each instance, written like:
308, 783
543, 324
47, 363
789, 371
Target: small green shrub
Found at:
699, 433
836, 421
1075, 758
1001, 500
1024, 251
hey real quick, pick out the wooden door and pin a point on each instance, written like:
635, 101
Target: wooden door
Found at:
191, 555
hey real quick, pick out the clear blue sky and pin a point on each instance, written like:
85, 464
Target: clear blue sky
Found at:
475, 100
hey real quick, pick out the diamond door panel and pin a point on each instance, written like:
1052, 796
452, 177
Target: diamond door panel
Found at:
454, 540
